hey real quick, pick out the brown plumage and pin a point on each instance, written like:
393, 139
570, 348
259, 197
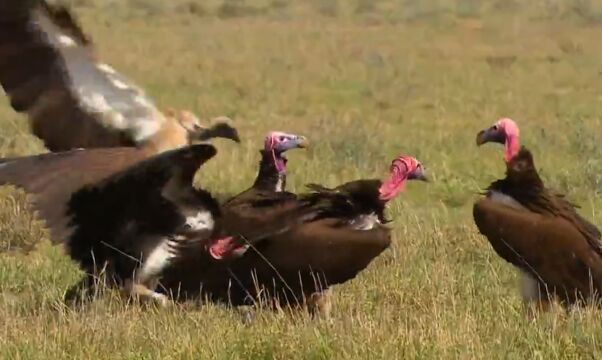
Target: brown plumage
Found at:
537, 230
50, 71
329, 248
132, 219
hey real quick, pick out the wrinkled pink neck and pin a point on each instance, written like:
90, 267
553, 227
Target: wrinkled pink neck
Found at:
511, 147
278, 162
394, 184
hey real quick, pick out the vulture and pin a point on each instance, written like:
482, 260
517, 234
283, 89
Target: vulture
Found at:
50, 71
340, 238
126, 218
557, 252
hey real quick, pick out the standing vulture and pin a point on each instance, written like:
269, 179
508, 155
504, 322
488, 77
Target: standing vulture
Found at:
50, 71
558, 252
129, 221
344, 234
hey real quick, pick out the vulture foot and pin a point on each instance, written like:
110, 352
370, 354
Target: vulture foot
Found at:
319, 304
142, 292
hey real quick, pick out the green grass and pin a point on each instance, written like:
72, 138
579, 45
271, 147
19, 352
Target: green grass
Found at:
364, 81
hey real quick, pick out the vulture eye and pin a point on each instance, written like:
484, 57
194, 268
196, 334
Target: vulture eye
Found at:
495, 127
281, 138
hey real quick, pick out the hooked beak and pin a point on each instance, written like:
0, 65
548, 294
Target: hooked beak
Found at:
297, 142
419, 174
490, 135
220, 128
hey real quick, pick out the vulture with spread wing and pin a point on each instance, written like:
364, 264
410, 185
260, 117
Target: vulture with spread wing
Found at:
340, 239
50, 71
558, 252
130, 219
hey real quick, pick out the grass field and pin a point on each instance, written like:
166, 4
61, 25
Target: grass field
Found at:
364, 81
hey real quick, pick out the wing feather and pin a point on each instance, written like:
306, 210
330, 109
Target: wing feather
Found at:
51, 179
550, 248
49, 70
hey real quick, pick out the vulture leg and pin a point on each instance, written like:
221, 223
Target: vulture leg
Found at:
320, 303
82, 292
138, 290
536, 297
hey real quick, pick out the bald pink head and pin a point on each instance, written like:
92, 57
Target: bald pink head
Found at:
504, 131
403, 168
277, 143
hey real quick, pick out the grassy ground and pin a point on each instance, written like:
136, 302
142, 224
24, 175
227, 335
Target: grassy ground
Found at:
365, 81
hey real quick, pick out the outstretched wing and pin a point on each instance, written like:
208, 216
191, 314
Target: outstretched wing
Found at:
49, 71
51, 179
99, 189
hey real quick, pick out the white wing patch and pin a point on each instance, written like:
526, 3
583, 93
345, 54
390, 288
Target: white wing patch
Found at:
119, 84
96, 102
201, 221
365, 222
504, 199
65, 40
279, 187
106, 68
156, 261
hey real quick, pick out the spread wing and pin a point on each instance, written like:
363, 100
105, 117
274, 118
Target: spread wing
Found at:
49, 71
93, 188
51, 179
550, 248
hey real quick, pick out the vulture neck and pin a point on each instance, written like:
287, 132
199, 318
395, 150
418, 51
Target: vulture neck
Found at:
170, 136
521, 171
511, 147
268, 177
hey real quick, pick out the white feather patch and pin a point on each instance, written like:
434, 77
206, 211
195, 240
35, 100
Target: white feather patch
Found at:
94, 101
156, 261
529, 288
142, 101
65, 40
365, 222
106, 68
201, 221
144, 128
279, 184
119, 84
504, 199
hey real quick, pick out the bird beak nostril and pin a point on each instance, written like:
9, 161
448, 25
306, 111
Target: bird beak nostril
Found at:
302, 142
481, 137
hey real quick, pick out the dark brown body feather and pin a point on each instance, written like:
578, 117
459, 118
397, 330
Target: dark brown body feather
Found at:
113, 207
546, 238
51, 179
324, 250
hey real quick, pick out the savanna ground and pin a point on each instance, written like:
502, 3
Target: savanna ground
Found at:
365, 81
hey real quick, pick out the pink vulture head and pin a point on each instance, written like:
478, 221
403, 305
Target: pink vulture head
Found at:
226, 248
504, 131
277, 143
403, 168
